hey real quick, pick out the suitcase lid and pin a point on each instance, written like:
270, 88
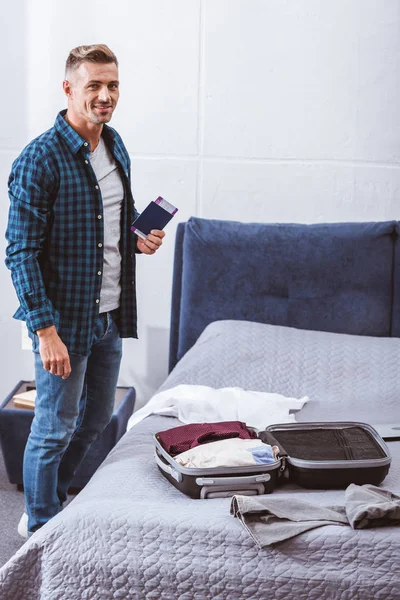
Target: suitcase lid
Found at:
328, 445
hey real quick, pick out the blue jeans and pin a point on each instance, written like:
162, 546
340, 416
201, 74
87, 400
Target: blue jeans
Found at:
69, 415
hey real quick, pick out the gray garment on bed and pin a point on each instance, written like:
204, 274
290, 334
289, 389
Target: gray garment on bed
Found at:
271, 519
370, 506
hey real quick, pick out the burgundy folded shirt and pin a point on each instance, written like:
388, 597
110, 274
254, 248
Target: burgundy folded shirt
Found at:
182, 438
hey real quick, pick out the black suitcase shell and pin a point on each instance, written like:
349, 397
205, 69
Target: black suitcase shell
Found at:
220, 482
319, 455
326, 455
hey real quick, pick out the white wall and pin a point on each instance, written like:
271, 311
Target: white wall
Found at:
254, 110
15, 364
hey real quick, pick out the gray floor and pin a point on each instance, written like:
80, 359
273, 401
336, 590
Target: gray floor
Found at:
11, 509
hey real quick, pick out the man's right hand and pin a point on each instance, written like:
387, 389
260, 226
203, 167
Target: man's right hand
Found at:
53, 352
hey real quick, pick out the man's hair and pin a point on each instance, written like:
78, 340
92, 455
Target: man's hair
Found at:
96, 53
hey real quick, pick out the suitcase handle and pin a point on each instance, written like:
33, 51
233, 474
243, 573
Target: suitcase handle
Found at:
167, 468
234, 481
221, 491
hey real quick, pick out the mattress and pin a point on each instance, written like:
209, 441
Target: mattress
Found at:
130, 534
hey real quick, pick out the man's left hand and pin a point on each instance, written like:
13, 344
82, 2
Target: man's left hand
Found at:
151, 243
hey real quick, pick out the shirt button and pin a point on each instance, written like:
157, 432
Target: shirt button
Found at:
100, 245
99, 216
98, 272
97, 301
86, 162
97, 187
85, 144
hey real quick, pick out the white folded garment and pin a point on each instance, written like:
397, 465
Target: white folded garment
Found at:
203, 404
233, 452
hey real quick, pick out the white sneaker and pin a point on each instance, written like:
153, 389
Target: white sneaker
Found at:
23, 526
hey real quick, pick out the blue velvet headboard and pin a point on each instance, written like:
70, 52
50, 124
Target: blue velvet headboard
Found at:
339, 277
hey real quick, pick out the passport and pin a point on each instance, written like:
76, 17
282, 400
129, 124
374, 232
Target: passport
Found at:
155, 216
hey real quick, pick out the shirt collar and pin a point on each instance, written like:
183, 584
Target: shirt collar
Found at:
72, 138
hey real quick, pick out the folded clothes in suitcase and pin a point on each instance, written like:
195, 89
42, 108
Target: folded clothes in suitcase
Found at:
214, 482
322, 455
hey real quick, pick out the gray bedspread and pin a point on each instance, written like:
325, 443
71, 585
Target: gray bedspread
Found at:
130, 534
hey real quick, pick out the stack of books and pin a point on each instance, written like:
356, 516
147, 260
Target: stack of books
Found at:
25, 399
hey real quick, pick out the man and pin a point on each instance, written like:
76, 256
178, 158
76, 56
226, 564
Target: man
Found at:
72, 258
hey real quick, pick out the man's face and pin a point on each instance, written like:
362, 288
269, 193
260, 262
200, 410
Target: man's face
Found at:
93, 92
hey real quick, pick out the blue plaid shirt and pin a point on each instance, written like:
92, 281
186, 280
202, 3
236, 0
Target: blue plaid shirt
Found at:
55, 236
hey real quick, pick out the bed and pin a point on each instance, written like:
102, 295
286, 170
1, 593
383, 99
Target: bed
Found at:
295, 309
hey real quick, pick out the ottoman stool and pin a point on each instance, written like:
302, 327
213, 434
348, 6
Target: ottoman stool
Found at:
15, 423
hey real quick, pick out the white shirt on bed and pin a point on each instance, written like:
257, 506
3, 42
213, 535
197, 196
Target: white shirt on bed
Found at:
203, 404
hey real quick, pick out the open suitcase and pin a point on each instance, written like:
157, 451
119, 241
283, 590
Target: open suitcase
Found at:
321, 455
